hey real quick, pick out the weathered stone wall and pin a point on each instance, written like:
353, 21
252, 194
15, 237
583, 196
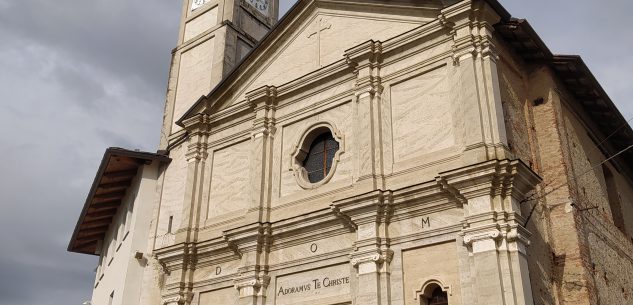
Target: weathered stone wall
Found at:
609, 249
577, 255
519, 122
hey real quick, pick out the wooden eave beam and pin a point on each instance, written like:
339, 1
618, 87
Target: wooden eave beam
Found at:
100, 214
92, 236
115, 185
106, 205
121, 174
95, 223
83, 245
111, 195
91, 231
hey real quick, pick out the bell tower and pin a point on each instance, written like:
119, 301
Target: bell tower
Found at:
214, 36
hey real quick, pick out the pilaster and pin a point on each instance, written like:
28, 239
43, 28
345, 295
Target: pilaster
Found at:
198, 129
366, 60
264, 103
178, 263
493, 229
475, 73
372, 256
251, 243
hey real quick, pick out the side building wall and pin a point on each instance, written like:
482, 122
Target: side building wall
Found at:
577, 255
119, 274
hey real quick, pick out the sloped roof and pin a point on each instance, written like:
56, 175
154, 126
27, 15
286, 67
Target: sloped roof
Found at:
591, 103
117, 170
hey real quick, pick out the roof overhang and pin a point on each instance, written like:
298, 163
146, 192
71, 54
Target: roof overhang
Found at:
118, 169
591, 103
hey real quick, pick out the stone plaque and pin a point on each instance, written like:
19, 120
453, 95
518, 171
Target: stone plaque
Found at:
311, 286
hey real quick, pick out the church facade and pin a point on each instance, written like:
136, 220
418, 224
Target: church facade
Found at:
368, 152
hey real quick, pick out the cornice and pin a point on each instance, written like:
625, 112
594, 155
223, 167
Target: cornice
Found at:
262, 98
249, 238
366, 208
216, 250
501, 177
176, 257
323, 74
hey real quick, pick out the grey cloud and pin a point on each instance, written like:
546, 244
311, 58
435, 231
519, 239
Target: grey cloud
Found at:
76, 77
599, 31
127, 38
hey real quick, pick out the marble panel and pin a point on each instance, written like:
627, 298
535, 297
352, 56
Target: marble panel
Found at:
422, 115
230, 179
172, 196
201, 23
226, 296
194, 78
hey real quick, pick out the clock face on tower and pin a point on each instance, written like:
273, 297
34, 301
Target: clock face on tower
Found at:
197, 3
260, 5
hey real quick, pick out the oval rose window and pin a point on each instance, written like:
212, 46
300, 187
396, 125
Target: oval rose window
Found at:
318, 161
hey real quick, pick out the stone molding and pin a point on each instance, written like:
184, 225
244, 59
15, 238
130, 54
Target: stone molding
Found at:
264, 103
250, 238
215, 251
429, 282
180, 299
323, 223
497, 177
198, 129
250, 282
470, 239
177, 257
375, 206
302, 147
366, 59
471, 25
379, 257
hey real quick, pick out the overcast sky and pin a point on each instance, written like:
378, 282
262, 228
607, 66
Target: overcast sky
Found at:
79, 76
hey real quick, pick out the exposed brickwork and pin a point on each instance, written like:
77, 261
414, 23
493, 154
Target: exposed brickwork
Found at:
577, 256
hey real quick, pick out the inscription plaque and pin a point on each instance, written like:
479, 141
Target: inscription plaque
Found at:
312, 285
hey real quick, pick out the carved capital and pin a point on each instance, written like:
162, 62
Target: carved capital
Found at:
252, 285
196, 152
470, 239
379, 257
514, 236
180, 299
263, 128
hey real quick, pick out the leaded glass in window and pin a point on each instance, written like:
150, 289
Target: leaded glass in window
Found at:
318, 161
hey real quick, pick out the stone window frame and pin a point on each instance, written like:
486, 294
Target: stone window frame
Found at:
428, 286
302, 147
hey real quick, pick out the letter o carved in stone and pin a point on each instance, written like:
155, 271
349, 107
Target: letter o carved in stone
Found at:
314, 248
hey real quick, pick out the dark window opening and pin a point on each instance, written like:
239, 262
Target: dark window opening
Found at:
614, 198
438, 297
319, 160
171, 221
